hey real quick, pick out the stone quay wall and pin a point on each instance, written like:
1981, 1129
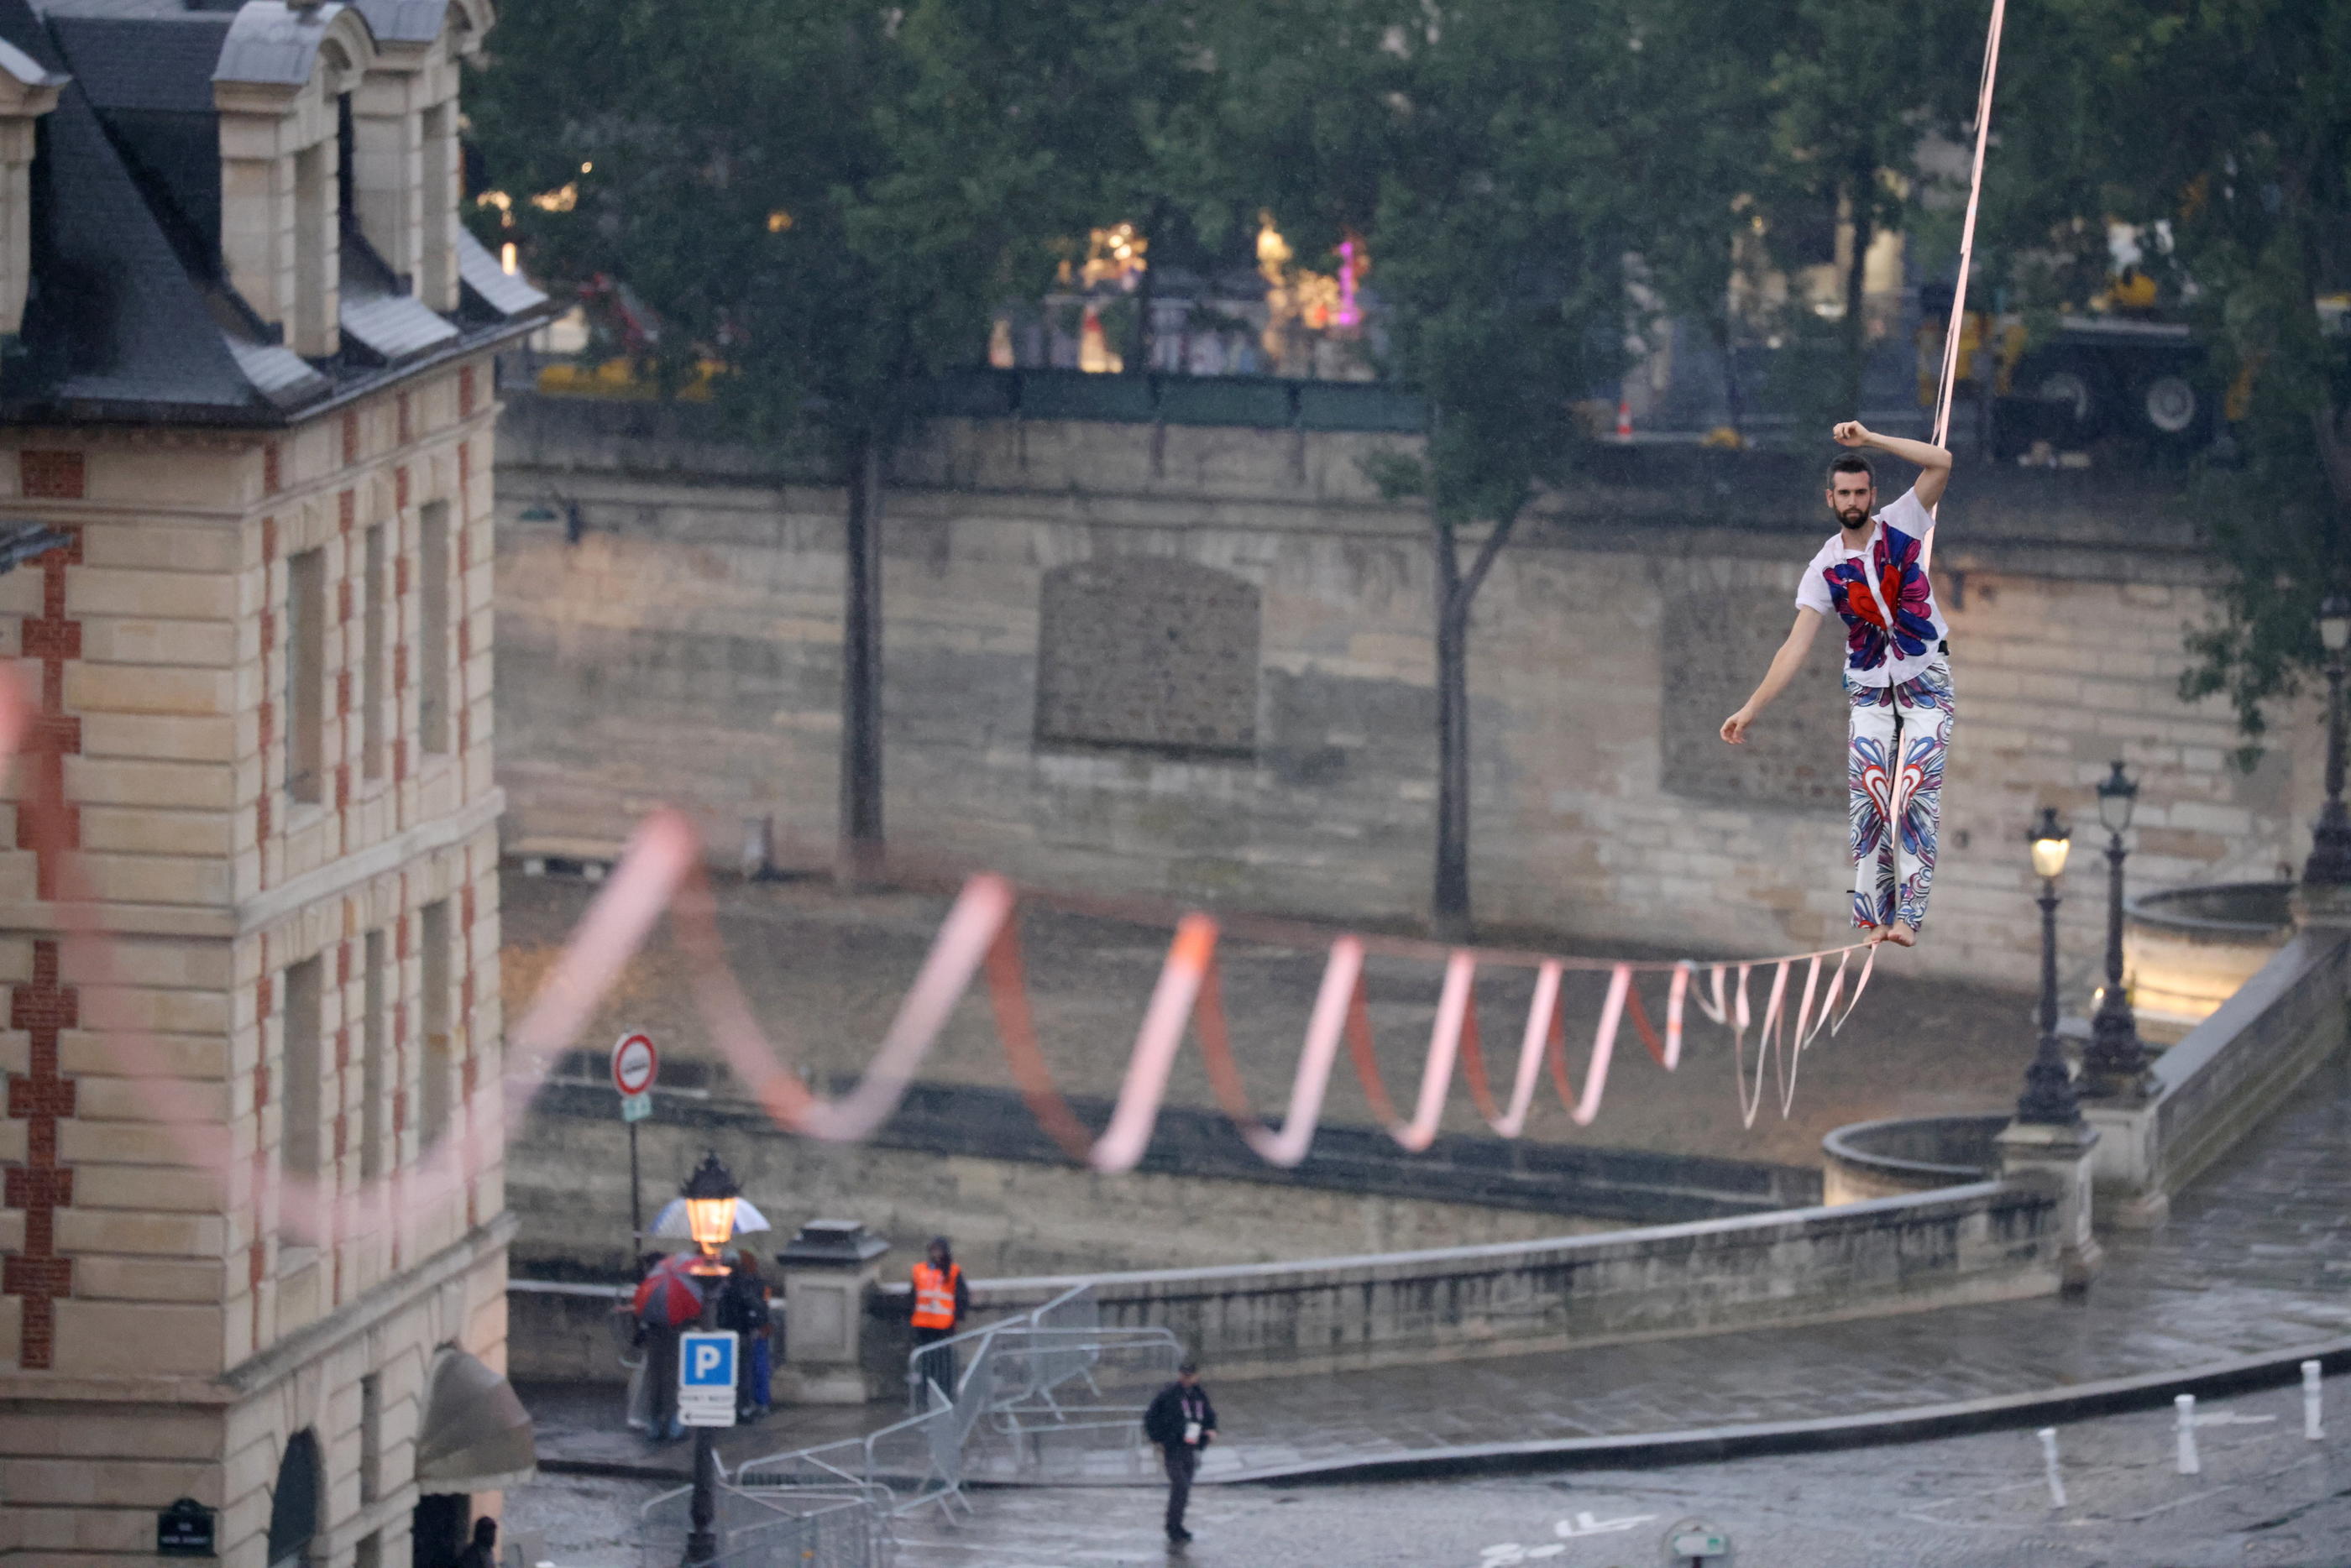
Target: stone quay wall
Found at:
1069, 695
1990, 1240
2229, 1072
971, 1162
1987, 1242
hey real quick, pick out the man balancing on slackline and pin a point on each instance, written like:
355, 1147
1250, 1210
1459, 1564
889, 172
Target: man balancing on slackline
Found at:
1898, 676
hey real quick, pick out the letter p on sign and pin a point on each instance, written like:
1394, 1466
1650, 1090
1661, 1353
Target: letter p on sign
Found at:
705, 1379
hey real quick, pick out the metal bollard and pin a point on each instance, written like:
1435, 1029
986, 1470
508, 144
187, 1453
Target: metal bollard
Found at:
2049, 1457
2189, 1463
2313, 1425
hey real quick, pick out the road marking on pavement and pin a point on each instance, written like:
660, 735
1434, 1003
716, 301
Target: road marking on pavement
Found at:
1584, 1524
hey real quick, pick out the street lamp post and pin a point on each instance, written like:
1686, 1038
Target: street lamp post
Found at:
710, 1194
2116, 1061
2048, 1096
2330, 842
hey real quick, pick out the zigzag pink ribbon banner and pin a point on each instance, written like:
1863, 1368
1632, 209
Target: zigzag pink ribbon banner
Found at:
662, 873
662, 870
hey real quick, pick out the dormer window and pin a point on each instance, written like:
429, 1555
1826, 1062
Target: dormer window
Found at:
284, 76
227, 189
405, 147
28, 90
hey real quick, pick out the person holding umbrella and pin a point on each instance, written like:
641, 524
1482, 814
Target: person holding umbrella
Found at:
668, 1302
675, 1290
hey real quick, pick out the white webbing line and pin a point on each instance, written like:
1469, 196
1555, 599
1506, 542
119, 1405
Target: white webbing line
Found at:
1967, 251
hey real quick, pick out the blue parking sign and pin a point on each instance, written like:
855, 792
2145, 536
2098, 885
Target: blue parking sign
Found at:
706, 1378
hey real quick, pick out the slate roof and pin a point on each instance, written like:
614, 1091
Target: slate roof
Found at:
131, 314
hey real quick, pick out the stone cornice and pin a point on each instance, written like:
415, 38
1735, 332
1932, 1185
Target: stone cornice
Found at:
349, 870
26, 915
289, 1355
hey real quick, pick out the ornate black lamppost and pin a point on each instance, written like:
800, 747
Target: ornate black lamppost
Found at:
2330, 844
710, 1194
2116, 1062
2048, 1096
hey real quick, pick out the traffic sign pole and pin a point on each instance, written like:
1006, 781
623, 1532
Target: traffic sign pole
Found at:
635, 1065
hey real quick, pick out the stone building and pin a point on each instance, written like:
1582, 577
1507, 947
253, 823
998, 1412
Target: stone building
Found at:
255, 1230
1196, 660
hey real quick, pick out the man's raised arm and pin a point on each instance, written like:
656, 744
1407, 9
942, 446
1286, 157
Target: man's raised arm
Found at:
1934, 462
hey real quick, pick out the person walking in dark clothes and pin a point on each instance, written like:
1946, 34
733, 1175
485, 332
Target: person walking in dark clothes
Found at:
482, 1551
1182, 1421
942, 1300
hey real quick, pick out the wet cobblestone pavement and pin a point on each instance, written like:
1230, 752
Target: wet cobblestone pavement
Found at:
2266, 1496
2254, 1260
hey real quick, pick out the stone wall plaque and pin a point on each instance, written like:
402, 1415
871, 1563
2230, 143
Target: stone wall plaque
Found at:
1148, 652
1714, 646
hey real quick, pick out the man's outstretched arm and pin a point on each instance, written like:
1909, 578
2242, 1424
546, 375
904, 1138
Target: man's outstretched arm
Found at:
1784, 665
1934, 462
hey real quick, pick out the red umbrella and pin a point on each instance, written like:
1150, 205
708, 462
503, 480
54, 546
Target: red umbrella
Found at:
670, 1295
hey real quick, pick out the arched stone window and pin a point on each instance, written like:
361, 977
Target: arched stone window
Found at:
293, 1503
1147, 652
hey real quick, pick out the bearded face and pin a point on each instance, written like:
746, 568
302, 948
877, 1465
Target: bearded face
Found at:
1851, 498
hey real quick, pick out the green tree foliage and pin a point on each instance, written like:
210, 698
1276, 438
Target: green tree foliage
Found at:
2227, 128
1474, 144
828, 198
1853, 91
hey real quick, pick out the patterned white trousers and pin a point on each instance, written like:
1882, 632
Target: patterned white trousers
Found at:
1899, 737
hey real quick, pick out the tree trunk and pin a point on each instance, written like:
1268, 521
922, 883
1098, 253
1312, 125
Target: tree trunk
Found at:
1857, 278
860, 861
1455, 592
1449, 899
1734, 396
1138, 359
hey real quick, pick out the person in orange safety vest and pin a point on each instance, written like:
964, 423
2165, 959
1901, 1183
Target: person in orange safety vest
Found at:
942, 1299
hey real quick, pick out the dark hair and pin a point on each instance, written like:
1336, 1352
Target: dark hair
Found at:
485, 1531
1851, 463
1189, 1369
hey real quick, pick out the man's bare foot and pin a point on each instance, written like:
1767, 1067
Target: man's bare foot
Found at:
1902, 934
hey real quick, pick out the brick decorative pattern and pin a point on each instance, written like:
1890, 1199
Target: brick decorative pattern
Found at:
46, 823
273, 470
40, 1186
1149, 653
1713, 646
350, 437
256, 1267
51, 475
468, 1072
401, 948
267, 720
465, 392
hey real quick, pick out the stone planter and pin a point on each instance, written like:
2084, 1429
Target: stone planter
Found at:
2186, 950
1909, 1154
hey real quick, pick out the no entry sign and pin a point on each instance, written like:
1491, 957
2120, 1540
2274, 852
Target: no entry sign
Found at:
635, 1063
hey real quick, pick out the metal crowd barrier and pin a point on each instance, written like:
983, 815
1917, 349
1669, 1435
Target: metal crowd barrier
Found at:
1047, 1394
846, 1525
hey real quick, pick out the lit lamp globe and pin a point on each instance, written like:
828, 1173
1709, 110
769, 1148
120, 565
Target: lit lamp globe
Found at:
2334, 623
710, 1194
2051, 840
2117, 795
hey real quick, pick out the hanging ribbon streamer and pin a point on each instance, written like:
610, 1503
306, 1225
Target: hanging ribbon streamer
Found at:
1948, 382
